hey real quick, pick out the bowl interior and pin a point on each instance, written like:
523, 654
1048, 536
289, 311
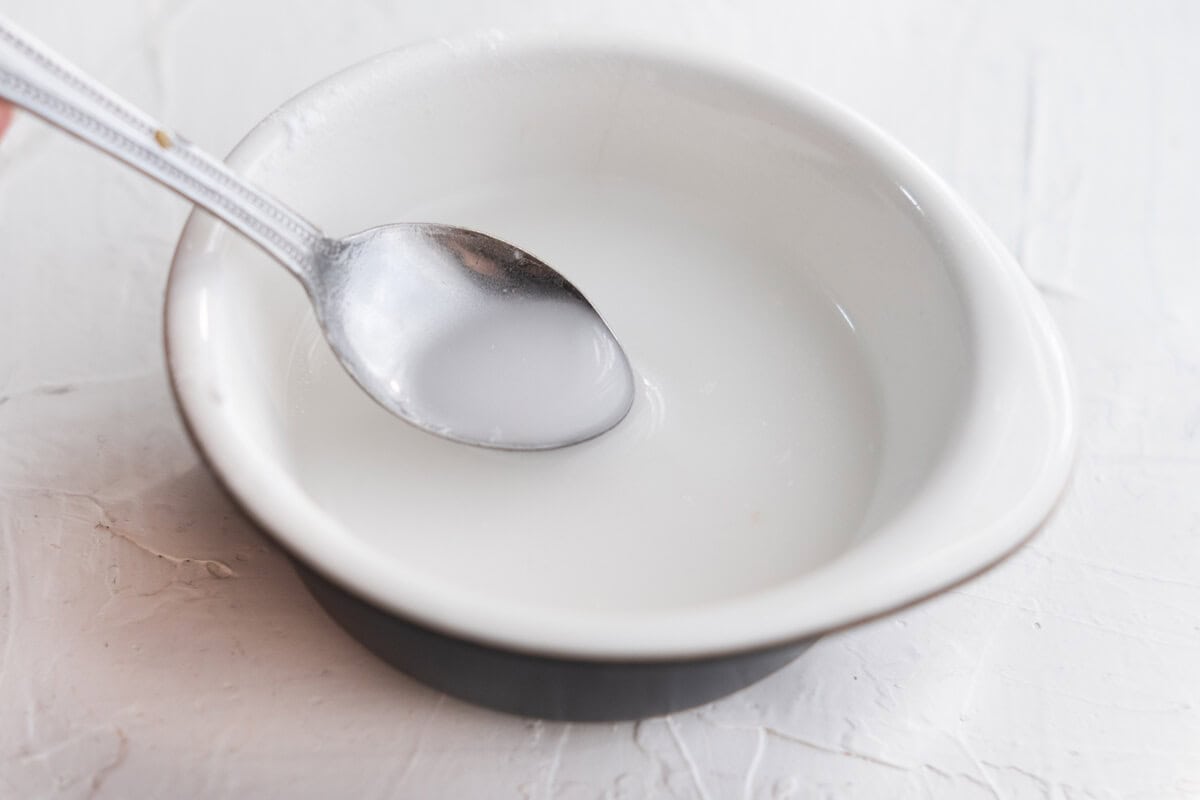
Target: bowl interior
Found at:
806, 343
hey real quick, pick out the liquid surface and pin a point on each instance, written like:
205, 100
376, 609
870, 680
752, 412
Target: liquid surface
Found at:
747, 458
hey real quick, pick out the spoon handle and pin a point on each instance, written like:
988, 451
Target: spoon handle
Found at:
34, 77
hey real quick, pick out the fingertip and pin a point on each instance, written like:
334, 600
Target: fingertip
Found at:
6, 113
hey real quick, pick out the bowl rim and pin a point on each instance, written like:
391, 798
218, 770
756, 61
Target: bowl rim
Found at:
295, 522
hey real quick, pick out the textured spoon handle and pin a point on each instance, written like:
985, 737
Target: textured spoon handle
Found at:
34, 77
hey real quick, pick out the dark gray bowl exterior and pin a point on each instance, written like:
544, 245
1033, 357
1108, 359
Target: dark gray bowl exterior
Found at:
536, 686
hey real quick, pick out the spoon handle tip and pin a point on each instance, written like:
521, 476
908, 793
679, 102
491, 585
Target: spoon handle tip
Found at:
39, 80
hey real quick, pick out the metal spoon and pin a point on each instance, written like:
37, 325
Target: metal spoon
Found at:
456, 332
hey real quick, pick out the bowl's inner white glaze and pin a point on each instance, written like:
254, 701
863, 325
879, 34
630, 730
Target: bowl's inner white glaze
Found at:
801, 349
749, 456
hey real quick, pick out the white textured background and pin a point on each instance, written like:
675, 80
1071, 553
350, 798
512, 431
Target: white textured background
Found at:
153, 645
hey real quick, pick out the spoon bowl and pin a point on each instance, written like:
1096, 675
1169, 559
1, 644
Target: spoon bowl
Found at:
469, 337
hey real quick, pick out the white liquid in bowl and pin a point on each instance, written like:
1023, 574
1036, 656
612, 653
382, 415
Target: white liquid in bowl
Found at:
748, 458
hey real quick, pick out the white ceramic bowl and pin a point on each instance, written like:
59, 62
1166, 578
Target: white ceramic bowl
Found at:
851, 396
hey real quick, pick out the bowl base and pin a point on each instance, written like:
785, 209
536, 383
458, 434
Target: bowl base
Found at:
537, 686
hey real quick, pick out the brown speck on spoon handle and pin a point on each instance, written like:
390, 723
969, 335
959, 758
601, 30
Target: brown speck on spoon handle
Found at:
163, 138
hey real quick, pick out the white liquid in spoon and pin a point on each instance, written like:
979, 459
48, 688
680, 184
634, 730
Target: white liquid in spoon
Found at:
534, 370
470, 338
